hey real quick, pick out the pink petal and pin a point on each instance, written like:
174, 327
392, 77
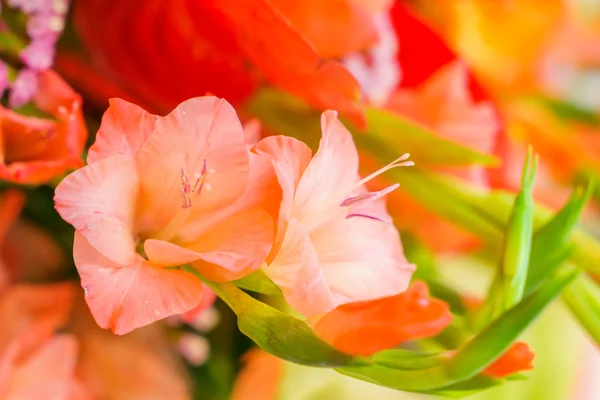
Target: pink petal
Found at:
99, 201
331, 174
200, 131
124, 129
297, 271
289, 157
362, 259
238, 244
124, 298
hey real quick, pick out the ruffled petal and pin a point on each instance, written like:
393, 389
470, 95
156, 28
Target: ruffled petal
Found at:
289, 158
195, 162
124, 129
99, 201
297, 272
362, 258
330, 176
124, 298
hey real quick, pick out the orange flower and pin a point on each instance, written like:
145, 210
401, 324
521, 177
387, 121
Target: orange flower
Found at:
180, 189
517, 358
364, 328
335, 241
35, 150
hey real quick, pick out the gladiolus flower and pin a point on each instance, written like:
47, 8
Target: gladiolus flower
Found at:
335, 243
364, 328
179, 189
35, 150
517, 358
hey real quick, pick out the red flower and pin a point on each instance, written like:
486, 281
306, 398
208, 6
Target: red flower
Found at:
212, 46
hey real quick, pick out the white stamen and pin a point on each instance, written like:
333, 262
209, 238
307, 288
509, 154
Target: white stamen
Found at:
399, 162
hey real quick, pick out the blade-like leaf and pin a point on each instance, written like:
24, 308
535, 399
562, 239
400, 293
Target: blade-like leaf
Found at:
258, 282
583, 300
517, 247
550, 246
280, 334
426, 148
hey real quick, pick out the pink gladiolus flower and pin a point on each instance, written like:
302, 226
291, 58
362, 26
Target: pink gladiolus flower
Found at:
181, 189
338, 246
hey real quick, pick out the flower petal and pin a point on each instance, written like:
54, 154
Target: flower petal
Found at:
331, 174
124, 298
289, 158
52, 366
200, 132
362, 259
99, 201
297, 272
124, 129
364, 328
233, 247
517, 358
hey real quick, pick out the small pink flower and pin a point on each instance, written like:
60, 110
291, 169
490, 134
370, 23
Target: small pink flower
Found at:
45, 26
23, 88
39, 54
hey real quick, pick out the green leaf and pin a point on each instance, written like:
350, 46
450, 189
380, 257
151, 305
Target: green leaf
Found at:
471, 359
280, 334
287, 115
426, 148
468, 387
410, 360
583, 300
550, 246
569, 111
258, 282
485, 212
517, 247
499, 335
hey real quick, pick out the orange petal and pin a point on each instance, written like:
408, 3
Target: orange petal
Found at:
99, 200
11, 202
517, 358
36, 150
334, 27
287, 59
25, 306
124, 298
260, 377
364, 328
52, 369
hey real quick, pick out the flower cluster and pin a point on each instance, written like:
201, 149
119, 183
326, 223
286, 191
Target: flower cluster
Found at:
352, 197
45, 23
